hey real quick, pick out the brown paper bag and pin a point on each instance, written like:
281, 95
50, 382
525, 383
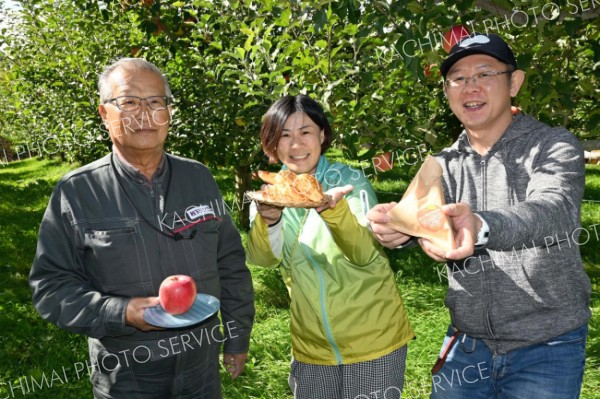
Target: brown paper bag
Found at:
418, 212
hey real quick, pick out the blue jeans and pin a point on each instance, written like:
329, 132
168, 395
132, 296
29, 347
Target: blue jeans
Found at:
550, 370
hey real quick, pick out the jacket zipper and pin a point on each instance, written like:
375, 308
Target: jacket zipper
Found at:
324, 315
483, 185
325, 318
483, 206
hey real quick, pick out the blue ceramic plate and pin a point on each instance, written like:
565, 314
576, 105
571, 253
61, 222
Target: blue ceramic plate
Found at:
204, 306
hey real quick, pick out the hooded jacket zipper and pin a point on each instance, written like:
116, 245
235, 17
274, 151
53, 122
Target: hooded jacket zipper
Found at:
483, 206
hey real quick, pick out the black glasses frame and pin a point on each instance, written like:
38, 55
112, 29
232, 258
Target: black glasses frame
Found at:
453, 83
168, 101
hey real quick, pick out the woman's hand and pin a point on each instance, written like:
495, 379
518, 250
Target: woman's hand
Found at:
378, 223
337, 194
270, 214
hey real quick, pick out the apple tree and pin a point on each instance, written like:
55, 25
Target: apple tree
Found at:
373, 65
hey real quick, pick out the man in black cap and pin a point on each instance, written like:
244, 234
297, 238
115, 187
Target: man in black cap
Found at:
518, 294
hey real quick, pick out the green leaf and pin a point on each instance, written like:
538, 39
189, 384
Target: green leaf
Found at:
320, 19
284, 18
248, 43
321, 44
217, 44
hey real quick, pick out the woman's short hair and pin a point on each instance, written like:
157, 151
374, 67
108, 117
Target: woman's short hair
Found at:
275, 118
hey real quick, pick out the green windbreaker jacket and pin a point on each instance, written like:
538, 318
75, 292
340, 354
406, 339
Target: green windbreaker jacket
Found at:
345, 305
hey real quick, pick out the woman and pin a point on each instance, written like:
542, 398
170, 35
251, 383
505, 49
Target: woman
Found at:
349, 327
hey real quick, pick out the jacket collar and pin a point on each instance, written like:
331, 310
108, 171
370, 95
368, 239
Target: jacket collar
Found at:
517, 128
322, 168
132, 173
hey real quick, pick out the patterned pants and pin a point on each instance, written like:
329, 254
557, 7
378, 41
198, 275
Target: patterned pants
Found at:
382, 378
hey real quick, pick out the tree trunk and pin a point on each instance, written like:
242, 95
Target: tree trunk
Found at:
242, 184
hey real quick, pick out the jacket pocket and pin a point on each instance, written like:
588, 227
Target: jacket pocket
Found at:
201, 254
112, 259
577, 336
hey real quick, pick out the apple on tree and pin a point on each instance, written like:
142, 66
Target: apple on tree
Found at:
428, 70
454, 36
177, 293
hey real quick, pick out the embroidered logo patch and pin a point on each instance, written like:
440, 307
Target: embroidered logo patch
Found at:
479, 39
197, 212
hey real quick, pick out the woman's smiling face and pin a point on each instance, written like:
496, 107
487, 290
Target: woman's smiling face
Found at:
299, 146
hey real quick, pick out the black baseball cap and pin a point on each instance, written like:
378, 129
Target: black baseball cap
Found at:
479, 43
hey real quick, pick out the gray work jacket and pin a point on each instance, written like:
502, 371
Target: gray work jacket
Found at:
95, 251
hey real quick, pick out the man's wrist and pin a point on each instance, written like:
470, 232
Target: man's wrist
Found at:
411, 242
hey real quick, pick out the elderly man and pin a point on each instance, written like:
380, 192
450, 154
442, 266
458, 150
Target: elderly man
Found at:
117, 227
518, 294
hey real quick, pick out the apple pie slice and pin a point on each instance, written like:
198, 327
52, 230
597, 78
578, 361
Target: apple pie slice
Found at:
289, 189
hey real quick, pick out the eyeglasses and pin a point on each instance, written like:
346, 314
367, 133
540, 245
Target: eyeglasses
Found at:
133, 103
483, 78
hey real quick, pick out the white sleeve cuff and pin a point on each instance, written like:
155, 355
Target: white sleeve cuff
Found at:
484, 233
276, 238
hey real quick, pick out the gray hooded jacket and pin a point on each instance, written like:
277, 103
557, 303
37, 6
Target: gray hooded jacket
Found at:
527, 284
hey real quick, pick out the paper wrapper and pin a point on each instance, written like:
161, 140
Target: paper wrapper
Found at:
418, 212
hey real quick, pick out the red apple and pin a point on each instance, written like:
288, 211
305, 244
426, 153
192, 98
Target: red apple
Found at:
383, 162
177, 293
160, 27
428, 70
454, 36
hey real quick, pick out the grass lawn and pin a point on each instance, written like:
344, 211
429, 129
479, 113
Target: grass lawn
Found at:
41, 361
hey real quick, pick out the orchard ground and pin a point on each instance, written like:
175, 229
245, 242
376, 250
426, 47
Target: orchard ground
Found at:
40, 360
